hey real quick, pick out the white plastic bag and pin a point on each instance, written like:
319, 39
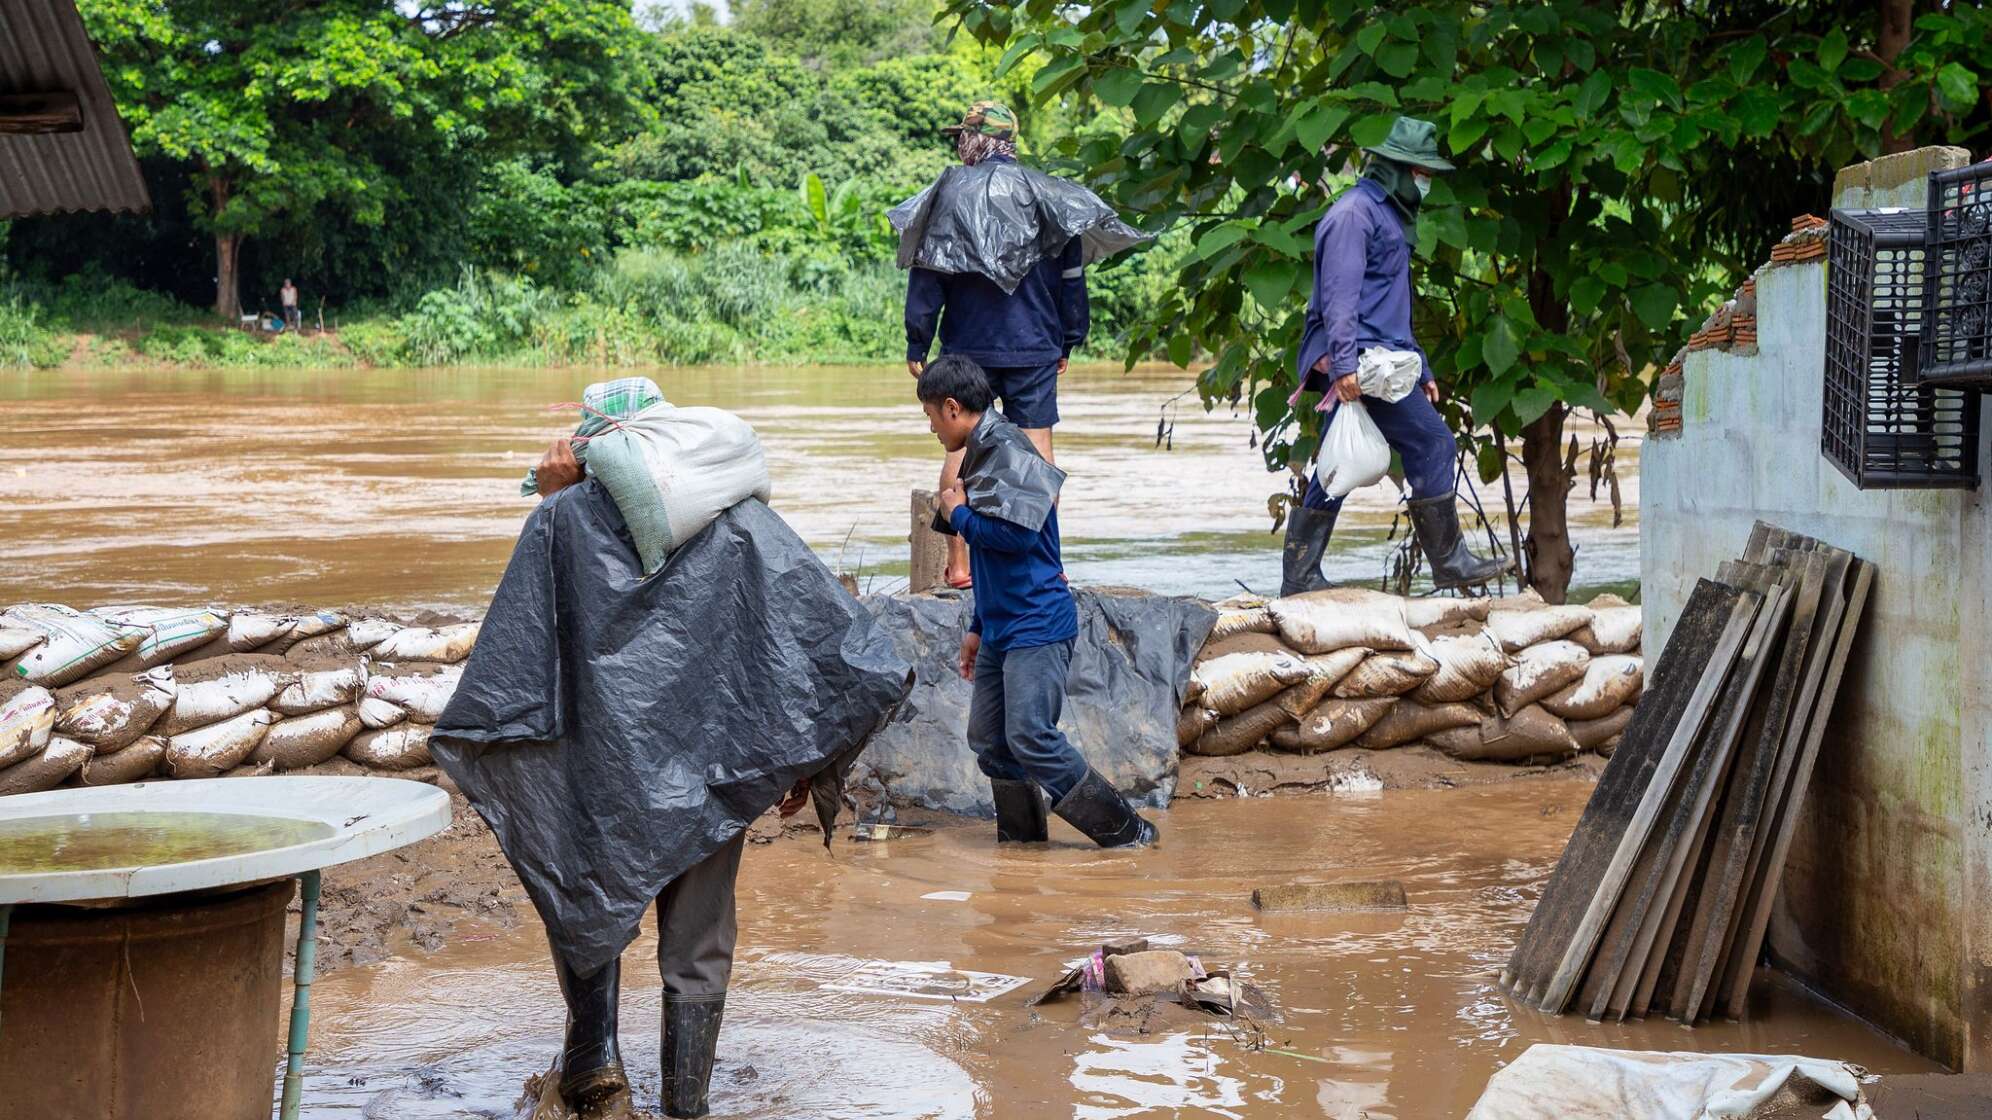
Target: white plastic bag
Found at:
1388, 375
1353, 453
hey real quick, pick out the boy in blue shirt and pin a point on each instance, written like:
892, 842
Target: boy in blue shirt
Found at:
1018, 648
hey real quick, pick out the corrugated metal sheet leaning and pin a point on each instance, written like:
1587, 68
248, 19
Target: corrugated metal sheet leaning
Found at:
45, 49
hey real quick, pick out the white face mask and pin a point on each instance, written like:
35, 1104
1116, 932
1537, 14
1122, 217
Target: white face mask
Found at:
1422, 182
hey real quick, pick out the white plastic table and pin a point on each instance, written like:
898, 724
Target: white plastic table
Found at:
337, 820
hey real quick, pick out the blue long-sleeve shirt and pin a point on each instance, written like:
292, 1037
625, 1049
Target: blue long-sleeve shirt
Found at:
1362, 285
1021, 597
1045, 319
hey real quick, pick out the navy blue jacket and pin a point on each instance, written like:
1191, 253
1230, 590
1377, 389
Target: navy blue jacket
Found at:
1021, 597
1044, 320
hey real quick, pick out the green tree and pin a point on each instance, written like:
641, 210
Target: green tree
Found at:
286, 115
1600, 147
841, 32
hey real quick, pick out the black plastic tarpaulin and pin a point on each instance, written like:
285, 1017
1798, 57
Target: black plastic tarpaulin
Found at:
616, 730
999, 219
1003, 475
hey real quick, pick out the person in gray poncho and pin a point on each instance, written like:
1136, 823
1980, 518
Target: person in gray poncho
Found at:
619, 732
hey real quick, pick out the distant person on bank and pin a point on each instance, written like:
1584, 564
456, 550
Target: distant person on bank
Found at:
1018, 649
288, 297
1362, 301
997, 267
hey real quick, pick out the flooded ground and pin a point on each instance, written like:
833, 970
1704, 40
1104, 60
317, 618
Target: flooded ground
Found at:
1387, 1016
399, 488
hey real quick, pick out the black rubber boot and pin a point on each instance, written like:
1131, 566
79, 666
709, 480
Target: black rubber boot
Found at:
1436, 521
1097, 809
691, 1038
1020, 815
1307, 533
590, 1062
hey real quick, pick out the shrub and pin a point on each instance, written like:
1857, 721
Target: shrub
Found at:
23, 340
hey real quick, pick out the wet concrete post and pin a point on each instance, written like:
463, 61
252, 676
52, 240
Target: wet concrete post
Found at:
929, 558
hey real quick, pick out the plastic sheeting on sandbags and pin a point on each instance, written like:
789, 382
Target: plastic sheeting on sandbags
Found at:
447, 644
1324, 672
393, 748
307, 740
1609, 683
137, 760
74, 644
1539, 671
213, 691
1333, 723
170, 632
1529, 733
421, 691
1469, 664
110, 712
672, 471
1594, 733
315, 690
1240, 733
1518, 628
27, 718
1385, 674
1325, 621
1611, 630
46, 770
214, 750
1238, 681
1408, 720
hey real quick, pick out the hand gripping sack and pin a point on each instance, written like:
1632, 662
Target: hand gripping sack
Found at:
672, 471
1353, 453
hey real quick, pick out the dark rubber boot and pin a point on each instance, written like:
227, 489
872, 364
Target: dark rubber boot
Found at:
1307, 533
1436, 521
691, 1038
590, 1063
1020, 815
1097, 809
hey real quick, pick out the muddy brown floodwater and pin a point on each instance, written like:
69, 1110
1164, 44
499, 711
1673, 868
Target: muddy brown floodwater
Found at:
1386, 1015
399, 488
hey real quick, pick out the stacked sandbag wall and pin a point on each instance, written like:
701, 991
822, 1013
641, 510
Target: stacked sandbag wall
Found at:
1507, 680
122, 694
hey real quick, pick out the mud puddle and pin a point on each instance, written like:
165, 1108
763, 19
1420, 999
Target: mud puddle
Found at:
1387, 1016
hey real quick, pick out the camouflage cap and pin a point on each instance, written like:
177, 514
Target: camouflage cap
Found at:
988, 118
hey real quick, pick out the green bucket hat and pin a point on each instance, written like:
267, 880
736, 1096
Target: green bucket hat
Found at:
1414, 142
988, 118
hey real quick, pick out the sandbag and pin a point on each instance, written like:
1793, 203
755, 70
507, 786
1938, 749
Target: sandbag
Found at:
448, 644
1194, 720
1469, 664
356, 637
421, 691
366, 633
1518, 629
1611, 630
214, 750
672, 471
1609, 683
1238, 681
1539, 671
1332, 723
74, 644
1529, 733
46, 770
170, 632
1324, 672
110, 712
218, 690
317, 624
1248, 642
307, 740
1247, 620
1325, 621
249, 631
27, 719
1240, 733
317, 689
1592, 734
376, 713
138, 760
17, 638
1409, 720
394, 748
1446, 611
1386, 674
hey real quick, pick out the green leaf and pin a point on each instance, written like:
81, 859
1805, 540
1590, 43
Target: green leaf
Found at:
1807, 74
1154, 100
1181, 348
1280, 241
1832, 50
1498, 346
1592, 94
1958, 85
1271, 281
1857, 70
1490, 397
1586, 292
1398, 59
1745, 57
1131, 15
1370, 37
1488, 459
1655, 86
1531, 403
814, 201
1321, 122
1466, 134
1117, 87
1371, 130
1580, 53
1057, 75
1508, 142
1221, 238
1654, 304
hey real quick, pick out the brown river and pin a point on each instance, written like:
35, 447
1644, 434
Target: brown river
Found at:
398, 489
1386, 1016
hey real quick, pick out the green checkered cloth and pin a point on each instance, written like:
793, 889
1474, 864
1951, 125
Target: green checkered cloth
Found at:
601, 403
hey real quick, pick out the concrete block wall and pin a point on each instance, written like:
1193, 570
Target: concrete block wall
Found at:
1887, 900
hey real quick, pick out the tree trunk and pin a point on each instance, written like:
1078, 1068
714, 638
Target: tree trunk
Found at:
1898, 22
227, 288
1550, 556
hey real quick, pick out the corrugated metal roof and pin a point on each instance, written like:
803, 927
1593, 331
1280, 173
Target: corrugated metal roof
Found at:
43, 48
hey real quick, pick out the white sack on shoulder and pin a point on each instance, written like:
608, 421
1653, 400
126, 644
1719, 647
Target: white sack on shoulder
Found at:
672, 471
1354, 453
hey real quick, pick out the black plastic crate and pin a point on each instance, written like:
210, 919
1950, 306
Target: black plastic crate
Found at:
1878, 425
1957, 336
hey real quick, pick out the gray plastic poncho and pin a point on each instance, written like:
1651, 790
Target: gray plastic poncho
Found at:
615, 730
1003, 476
999, 218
